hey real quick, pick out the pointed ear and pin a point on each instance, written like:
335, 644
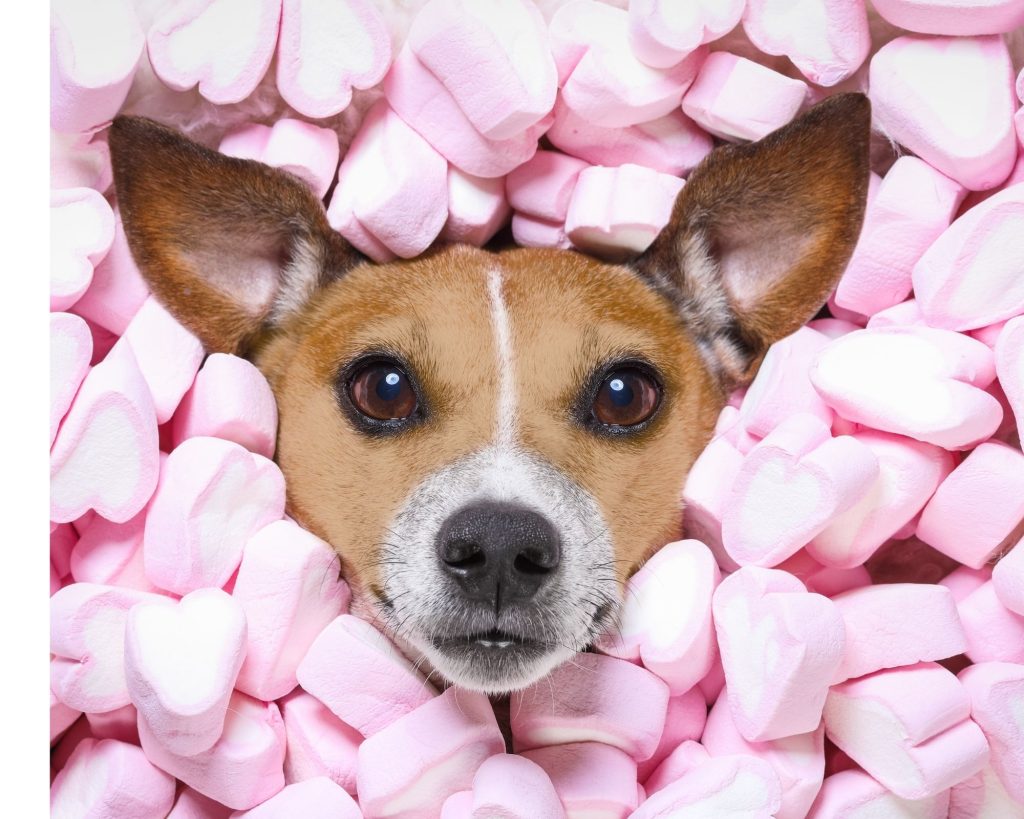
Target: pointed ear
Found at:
761, 233
228, 245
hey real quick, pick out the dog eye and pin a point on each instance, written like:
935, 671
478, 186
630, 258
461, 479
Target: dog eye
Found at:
382, 391
627, 397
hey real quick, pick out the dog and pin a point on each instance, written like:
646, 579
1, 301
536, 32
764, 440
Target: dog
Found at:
493, 442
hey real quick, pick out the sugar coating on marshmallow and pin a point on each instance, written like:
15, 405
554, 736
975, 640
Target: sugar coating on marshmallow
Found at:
81, 232
70, 351
325, 50
663, 32
186, 46
950, 101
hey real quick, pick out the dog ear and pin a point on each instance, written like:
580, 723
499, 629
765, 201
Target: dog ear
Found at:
761, 233
228, 245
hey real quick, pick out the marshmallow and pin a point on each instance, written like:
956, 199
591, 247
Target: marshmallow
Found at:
111, 553
121, 724
982, 796
94, 51
593, 698
243, 768
908, 728
181, 661
617, 212
319, 744
87, 627
317, 798
110, 778
477, 208
193, 805
70, 351
105, 456
289, 588
79, 161
61, 717
419, 760
994, 633
908, 473
684, 758
513, 787
737, 99
1009, 353
897, 624
663, 32
904, 314
391, 184
361, 677
996, 691
63, 538
592, 779
706, 492
230, 399
327, 49
530, 232
950, 101
955, 19
221, 46
302, 149
826, 41
213, 495
914, 205
1008, 579
666, 615
798, 761
420, 99
852, 794
924, 383
684, 721
791, 486
81, 232
492, 58
979, 508
543, 186
781, 648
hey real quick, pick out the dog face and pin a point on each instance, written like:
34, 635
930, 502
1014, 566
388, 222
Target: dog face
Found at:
495, 442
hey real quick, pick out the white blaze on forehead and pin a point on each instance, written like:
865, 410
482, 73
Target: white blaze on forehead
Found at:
503, 344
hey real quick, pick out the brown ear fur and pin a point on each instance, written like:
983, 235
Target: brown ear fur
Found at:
226, 244
761, 233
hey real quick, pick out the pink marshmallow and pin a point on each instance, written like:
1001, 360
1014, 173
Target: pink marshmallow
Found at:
79, 161
494, 60
994, 633
94, 52
70, 351
970, 277
543, 186
63, 538
393, 185
530, 232
1009, 352
907, 727
914, 205
121, 724
781, 647
221, 46
592, 699
420, 99
684, 758
950, 101
617, 212
81, 232
592, 779
909, 472
798, 761
317, 798
666, 615
924, 383
87, 627
244, 767
737, 99
684, 721
897, 624
319, 744
1008, 579
852, 794
513, 787
229, 399
979, 507
61, 717
327, 50
193, 805
105, 456
905, 314
663, 32
358, 673
289, 588
111, 553
181, 661
791, 486
963, 580
996, 691
706, 493
477, 208
110, 778
953, 18
458, 806
826, 41
982, 796
411, 766
714, 683
213, 496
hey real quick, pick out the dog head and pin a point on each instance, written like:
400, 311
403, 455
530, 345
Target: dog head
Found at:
495, 442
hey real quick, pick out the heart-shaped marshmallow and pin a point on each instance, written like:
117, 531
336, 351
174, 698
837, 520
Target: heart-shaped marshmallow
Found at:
81, 232
663, 32
70, 351
996, 691
706, 493
317, 798
111, 553
592, 779
513, 787
319, 744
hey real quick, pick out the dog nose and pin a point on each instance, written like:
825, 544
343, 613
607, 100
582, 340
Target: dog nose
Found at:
498, 553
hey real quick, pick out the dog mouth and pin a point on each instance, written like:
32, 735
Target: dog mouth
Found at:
493, 641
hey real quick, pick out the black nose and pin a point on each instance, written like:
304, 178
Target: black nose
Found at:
498, 553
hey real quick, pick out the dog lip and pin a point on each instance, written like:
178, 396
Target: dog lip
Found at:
493, 641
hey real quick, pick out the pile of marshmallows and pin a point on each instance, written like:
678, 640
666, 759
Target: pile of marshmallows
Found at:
853, 522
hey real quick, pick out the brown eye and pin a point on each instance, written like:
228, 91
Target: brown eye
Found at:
382, 391
627, 397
